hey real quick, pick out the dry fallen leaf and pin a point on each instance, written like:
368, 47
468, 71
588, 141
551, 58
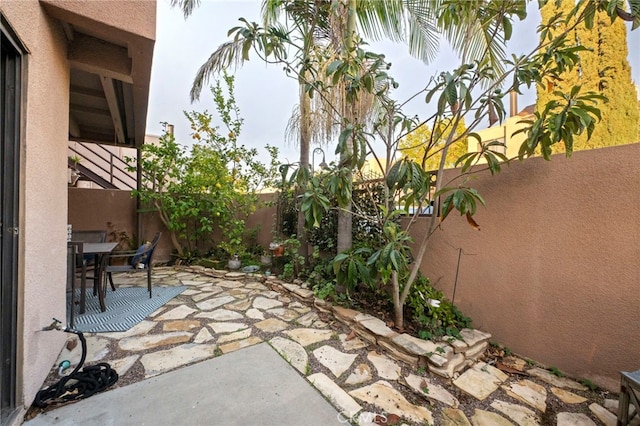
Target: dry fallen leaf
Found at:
351, 335
71, 344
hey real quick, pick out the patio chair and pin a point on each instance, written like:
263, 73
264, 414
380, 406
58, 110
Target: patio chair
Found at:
629, 397
140, 260
74, 255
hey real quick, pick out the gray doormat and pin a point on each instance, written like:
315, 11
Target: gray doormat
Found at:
126, 307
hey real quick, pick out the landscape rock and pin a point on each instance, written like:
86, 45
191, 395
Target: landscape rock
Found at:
384, 396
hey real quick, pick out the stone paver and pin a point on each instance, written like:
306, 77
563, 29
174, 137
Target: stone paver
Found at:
271, 325
487, 418
360, 360
180, 325
179, 312
239, 344
361, 374
309, 336
345, 403
528, 392
454, 417
423, 386
574, 419
224, 315
238, 335
567, 397
561, 382
384, 396
150, 341
480, 381
264, 303
158, 362
605, 416
203, 336
337, 362
211, 304
386, 368
519, 414
291, 351
226, 327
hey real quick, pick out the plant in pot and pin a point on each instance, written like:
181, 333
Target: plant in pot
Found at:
73, 173
234, 263
265, 258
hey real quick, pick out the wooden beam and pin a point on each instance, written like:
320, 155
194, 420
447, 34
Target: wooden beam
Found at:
100, 57
85, 91
89, 110
114, 106
74, 128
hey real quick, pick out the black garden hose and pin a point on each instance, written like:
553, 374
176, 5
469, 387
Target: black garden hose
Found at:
79, 384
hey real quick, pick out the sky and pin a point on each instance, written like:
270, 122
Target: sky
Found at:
265, 96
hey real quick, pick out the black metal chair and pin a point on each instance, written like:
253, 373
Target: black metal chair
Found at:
629, 397
140, 260
74, 256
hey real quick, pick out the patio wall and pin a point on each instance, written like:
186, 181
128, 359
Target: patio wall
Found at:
91, 209
553, 273
114, 210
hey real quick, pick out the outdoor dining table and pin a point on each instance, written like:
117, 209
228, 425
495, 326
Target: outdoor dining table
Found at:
101, 251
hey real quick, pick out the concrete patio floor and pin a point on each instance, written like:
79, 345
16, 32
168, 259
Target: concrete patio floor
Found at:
210, 356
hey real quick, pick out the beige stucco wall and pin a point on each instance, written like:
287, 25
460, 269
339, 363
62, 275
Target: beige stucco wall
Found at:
43, 190
43, 171
553, 273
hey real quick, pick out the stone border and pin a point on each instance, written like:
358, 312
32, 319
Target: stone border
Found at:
446, 358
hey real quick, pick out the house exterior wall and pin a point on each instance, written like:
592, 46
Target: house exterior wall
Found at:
42, 279
553, 273
504, 133
43, 172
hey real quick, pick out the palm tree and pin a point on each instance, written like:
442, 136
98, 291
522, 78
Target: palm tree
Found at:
413, 21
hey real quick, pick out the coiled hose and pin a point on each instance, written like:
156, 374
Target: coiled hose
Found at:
78, 384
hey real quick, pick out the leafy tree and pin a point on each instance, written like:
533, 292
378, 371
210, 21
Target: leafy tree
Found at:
424, 145
314, 22
472, 91
603, 68
212, 186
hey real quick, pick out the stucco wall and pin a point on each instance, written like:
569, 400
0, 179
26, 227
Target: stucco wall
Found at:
91, 209
114, 211
43, 191
43, 169
553, 273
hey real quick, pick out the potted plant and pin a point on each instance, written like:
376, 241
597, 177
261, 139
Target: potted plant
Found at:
72, 173
234, 263
276, 248
265, 258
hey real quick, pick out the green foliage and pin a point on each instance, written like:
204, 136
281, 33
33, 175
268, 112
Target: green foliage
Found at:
351, 268
603, 69
292, 258
212, 186
588, 383
425, 144
556, 372
434, 321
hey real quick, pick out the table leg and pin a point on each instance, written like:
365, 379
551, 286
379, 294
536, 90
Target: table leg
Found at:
99, 281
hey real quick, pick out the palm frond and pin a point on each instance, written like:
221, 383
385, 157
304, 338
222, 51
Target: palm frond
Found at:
187, 6
227, 55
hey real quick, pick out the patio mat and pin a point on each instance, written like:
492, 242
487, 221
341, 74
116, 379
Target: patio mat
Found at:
126, 307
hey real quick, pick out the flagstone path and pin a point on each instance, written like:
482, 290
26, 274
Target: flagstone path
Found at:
370, 373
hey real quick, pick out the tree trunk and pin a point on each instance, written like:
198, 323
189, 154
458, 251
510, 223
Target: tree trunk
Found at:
397, 306
305, 107
345, 226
